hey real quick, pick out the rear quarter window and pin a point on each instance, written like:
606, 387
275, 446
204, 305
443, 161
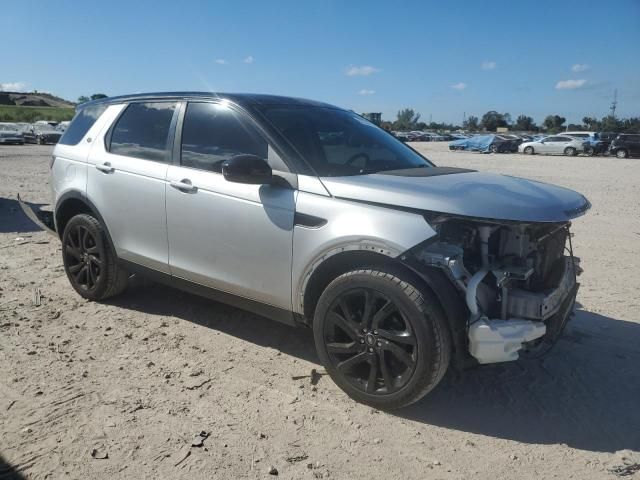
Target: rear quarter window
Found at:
81, 123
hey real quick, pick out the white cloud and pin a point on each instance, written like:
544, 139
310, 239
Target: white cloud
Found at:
221, 61
580, 67
486, 65
570, 84
249, 59
364, 91
363, 70
459, 86
13, 87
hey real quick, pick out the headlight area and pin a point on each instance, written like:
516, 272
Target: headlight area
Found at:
517, 280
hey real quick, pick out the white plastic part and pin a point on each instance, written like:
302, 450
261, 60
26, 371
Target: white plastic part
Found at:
493, 341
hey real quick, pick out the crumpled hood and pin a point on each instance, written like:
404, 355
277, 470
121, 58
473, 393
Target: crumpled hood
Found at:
469, 194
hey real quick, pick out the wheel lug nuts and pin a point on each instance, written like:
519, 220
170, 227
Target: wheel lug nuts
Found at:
370, 349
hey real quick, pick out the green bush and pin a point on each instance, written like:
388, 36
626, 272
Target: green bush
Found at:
12, 113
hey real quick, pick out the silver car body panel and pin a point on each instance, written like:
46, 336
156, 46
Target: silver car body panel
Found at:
349, 226
470, 194
69, 170
130, 196
230, 236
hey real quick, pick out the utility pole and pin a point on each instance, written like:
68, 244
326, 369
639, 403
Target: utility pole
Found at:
464, 118
614, 104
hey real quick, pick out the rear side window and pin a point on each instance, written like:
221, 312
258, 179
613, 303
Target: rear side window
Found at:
81, 123
213, 133
142, 131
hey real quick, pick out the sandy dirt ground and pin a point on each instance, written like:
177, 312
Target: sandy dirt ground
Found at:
121, 389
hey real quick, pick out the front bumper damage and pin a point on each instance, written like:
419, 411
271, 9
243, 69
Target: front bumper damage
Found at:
521, 319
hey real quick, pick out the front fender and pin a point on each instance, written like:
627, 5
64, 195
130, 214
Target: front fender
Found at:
349, 226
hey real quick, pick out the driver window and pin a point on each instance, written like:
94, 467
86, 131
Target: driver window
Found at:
213, 133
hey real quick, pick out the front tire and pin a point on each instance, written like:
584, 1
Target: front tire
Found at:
622, 153
90, 261
382, 337
528, 150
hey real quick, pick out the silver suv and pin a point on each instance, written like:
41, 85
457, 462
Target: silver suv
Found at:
311, 215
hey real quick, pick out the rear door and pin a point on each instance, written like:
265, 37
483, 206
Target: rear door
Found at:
126, 181
634, 144
233, 237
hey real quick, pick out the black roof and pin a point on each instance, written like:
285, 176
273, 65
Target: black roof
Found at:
239, 98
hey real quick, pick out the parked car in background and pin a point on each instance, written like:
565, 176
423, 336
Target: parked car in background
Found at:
484, 144
599, 143
10, 134
553, 145
41, 133
459, 136
579, 134
512, 142
625, 145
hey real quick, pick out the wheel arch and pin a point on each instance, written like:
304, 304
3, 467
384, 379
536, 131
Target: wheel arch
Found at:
74, 203
430, 278
334, 265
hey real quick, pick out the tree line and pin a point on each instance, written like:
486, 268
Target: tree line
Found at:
409, 119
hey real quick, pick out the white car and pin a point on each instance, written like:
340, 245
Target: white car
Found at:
554, 144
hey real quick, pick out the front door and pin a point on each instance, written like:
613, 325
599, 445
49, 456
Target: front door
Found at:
233, 237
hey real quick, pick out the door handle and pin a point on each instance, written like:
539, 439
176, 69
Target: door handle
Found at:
105, 167
184, 185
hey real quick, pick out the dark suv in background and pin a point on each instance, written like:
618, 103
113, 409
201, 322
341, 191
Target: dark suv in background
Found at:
625, 145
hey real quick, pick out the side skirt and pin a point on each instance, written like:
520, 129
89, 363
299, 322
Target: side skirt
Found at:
253, 306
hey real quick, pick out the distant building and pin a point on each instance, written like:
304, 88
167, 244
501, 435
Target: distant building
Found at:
374, 117
502, 129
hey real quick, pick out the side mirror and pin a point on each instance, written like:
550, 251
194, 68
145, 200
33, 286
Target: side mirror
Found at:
247, 169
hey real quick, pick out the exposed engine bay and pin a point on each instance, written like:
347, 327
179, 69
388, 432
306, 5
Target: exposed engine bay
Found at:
518, 280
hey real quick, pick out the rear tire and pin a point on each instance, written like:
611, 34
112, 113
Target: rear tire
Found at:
570, 152
622, 153
382, 337
90, 261
529, 150
493, 149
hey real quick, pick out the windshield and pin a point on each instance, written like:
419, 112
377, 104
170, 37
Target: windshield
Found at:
340, 143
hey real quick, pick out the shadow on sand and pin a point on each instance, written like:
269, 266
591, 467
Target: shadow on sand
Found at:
8, 472
13, 219
584, 393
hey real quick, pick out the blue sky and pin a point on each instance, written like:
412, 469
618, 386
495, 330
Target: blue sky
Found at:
440, 58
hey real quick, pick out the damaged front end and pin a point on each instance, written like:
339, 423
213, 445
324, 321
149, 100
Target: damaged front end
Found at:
517, 280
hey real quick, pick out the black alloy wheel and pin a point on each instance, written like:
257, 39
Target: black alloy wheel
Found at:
382, 336
90, 260
370, 342
83, 258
